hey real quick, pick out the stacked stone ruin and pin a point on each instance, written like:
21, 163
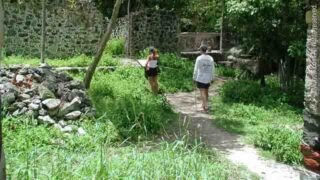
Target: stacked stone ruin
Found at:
152, 27
311, 136
71, 29
39, 93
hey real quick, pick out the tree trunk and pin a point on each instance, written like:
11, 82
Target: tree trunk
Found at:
221, 28
102, 45
2, 156
311, 131
128, 40
43, 32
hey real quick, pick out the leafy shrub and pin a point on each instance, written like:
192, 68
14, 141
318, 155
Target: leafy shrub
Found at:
245, 91
281, 141
176, 73
226, 71
115, 47
241, 91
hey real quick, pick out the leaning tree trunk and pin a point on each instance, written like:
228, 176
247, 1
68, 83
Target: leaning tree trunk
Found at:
102, 45
311, 134
222, 25
2, 156
43, 32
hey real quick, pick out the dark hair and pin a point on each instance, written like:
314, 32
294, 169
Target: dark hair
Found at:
151, 50
203, 48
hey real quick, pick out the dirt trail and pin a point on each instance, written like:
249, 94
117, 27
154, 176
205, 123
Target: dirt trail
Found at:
201, 125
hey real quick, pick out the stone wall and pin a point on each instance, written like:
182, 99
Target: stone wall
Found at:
191, 41
71, 30
159, 28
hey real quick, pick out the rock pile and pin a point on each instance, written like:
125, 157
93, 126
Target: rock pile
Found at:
49, 97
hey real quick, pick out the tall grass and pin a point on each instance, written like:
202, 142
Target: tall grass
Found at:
38, 152
125, 98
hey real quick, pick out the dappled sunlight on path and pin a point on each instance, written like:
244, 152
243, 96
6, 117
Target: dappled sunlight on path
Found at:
201, 125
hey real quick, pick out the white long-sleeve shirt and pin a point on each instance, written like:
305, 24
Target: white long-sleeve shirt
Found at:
203, 69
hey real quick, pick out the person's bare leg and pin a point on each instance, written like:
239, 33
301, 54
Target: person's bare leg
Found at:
202, 93
206, 93
156, 85
151, 83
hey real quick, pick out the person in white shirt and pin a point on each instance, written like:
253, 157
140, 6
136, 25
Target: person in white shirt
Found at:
203, 75
151, 70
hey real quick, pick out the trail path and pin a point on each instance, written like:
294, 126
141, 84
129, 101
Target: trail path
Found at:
201, 125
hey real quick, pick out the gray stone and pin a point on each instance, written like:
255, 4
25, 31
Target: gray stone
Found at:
74, 85
45, 93
11, 88
81, 131
36, 100
58, 126
53, 112
8, 98
311, 129
29, 91
62, 123
46, 120
31, 113
27, 101
37, 77
24, 71
19, 105
73, 115
19, 78
42, 112
51, 103
16, 113
67, 129
81, 94
24, 96
74, 105
34, 106
23, 110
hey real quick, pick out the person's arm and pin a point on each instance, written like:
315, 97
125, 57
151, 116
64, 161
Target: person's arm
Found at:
147, 63
195, 71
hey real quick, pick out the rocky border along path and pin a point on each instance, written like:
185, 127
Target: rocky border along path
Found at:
201, 125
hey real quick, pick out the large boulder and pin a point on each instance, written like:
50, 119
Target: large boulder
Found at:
51, 104
45, 93
73, 115
74, 105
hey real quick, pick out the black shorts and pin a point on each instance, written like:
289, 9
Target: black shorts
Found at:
152, 72
203, 85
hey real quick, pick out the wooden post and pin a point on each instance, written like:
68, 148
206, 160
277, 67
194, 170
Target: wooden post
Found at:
2, 155
221, 28
43, 32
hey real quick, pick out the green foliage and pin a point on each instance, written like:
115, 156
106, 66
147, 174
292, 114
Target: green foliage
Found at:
202, 16
241, 91
245, 91
115, 47
76, 61
273, 27
226, 71
176, 73
264, 116
123, 96
281, 141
